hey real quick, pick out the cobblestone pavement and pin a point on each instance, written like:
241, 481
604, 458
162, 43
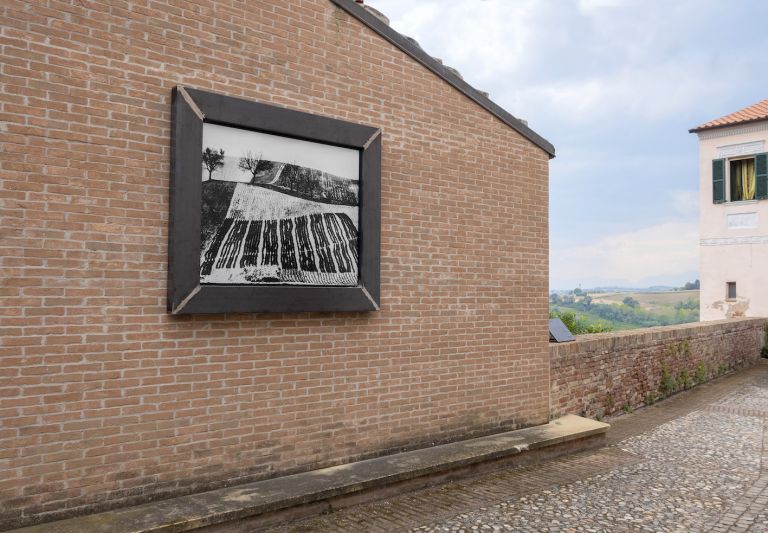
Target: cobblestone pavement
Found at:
695, 462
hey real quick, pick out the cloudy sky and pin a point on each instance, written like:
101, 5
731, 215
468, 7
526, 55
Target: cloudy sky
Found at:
614, 85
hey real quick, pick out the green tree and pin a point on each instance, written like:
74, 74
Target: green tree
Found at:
213, 160
690, 303
692, 286
631, 302
578, 325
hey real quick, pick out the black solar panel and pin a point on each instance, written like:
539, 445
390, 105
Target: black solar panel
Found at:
558, 332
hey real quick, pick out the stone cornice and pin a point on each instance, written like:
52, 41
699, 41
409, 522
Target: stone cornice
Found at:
733, 130
726, 241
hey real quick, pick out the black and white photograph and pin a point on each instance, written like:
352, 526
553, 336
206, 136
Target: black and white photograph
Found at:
277, 210
271, 209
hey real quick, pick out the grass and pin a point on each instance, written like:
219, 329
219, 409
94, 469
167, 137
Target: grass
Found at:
652, 301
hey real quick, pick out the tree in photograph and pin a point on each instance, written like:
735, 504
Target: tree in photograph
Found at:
314, 189
302, 179
290, 176
305, 180
250, 163
213, 160
265, 166
308, 181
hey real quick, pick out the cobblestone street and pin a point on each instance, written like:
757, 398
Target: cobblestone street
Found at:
696, 462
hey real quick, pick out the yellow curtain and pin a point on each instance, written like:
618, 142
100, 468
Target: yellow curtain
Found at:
747, 178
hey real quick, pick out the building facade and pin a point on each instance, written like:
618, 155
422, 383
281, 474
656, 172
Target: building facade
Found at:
106, 399
734, 214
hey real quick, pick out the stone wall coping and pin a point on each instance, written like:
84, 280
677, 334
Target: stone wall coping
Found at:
615, 340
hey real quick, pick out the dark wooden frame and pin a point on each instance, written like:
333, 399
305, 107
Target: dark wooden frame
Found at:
186, 295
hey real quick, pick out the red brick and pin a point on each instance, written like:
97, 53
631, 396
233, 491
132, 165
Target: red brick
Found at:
181, 404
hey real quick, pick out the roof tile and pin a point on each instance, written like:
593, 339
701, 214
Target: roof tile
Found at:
758, 111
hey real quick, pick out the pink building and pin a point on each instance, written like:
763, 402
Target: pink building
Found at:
734, 213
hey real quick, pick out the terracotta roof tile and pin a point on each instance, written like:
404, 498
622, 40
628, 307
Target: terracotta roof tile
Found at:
758, 111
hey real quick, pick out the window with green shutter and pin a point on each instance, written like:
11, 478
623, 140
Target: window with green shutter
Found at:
761, 176
746, 179
742, 179
718, 181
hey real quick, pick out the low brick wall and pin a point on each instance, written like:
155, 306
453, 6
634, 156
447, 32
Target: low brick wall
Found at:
608, 372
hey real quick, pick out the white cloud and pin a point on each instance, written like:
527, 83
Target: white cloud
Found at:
591, 5
630, 94
614, 84
481, 39
571, 61
666, 250
685, 202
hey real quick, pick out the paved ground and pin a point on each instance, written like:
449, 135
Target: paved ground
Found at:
695, 462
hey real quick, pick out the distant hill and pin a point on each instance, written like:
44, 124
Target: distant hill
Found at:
654, 288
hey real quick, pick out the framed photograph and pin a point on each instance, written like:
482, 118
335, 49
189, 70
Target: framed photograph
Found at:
272, 210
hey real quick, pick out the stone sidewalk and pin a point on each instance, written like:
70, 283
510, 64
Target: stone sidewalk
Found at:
695, 462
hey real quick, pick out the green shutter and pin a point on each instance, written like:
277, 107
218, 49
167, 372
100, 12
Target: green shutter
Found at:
718, 181
761, 176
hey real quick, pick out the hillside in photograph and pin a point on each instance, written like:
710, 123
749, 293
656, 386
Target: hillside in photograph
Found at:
266, 236
216, 197
288, 178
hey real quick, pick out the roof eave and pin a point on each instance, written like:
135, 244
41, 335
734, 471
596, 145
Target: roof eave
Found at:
431, 64
721, 126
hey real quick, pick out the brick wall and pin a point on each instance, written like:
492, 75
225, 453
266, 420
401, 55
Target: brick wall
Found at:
608, 372
107, 400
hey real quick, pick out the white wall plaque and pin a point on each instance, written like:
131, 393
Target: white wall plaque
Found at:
742, 220
735, 150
